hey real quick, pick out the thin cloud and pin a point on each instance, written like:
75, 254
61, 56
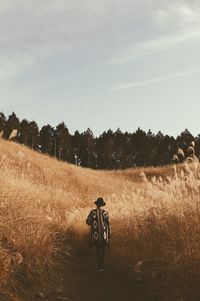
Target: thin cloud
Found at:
155, 80
153, 46
173, 24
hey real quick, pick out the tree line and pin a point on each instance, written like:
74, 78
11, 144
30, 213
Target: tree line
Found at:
111, 150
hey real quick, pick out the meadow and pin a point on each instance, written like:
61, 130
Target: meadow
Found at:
154, 214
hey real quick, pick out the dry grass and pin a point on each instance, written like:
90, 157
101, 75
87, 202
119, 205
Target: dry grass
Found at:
154, 214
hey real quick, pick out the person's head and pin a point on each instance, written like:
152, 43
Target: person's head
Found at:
100, 202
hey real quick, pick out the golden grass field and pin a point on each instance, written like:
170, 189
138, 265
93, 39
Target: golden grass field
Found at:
154, 214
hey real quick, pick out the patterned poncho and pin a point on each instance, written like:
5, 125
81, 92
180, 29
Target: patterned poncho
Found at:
98, 219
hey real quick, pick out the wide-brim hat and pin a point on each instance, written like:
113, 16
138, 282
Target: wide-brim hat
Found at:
100, 202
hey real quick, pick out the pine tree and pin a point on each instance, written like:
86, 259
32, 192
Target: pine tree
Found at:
2, 122
63, 143
11, 124
76, 141
33, 135
105, 150
23, 132
47, 140
87, 151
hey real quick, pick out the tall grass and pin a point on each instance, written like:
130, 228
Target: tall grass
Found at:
154, 215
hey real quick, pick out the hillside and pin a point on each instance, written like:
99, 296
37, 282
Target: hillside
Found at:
44, 202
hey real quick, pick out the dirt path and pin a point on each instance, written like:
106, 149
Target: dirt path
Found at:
87, 285
76, 279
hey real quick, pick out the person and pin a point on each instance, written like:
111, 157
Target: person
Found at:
98, 220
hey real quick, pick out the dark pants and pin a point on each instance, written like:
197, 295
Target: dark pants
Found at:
100, 252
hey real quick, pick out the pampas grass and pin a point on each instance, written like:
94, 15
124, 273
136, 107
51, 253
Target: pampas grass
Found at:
154, 213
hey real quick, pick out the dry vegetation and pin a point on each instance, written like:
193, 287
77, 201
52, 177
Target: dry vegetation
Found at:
154, 214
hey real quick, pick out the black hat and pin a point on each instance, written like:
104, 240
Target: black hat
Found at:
100, 202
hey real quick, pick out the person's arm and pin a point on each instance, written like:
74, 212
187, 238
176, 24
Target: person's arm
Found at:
109, 228
89, 219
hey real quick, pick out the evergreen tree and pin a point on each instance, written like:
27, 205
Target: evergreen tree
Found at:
2, 121
139, 147
111, 150
63, 143
23, 132
165, 149
87, 150
119, 149
47, 140
29, 133
128, 156
33, 135
76, 148
105, 150
11, 124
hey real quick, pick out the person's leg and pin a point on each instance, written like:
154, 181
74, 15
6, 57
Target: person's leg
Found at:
98, 256
101, 256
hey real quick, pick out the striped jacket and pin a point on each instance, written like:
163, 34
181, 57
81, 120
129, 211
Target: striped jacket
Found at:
98, 219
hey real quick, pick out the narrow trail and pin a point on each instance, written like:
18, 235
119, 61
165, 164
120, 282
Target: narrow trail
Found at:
75, 279
85, 284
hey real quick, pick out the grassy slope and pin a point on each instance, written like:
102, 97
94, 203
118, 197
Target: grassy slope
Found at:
41, 198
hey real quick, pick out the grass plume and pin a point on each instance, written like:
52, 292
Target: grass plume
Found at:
154, 214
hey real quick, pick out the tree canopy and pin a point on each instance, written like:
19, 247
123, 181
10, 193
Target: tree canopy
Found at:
111, 150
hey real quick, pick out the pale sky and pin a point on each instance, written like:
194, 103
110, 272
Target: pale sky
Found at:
102, 64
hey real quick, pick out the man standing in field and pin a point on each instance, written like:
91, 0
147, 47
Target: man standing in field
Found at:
98, 219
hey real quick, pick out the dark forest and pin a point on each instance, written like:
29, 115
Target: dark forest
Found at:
111, 150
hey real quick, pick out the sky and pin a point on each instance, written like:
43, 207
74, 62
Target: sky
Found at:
102, 64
